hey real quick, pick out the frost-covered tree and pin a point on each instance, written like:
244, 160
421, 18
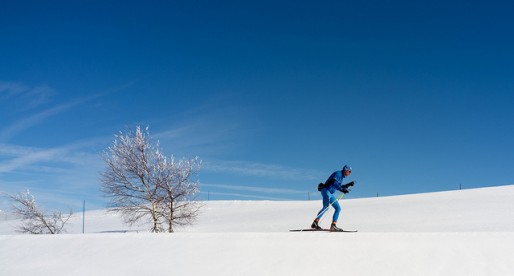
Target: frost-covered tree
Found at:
145, 186
34, 219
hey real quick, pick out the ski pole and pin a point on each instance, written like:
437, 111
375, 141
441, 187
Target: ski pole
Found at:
324, 211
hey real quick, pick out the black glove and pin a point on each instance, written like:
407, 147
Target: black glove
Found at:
348, 185
345, 187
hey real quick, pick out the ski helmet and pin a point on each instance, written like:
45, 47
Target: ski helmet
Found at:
347, 168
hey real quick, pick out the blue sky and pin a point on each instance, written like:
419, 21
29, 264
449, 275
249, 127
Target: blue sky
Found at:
273, 96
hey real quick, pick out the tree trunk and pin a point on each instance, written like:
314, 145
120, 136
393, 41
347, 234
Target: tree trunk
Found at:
156, 226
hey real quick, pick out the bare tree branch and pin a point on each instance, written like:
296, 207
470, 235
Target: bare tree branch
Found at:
34, 220
143, 185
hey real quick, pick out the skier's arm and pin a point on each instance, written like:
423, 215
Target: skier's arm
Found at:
344, 188
349, 184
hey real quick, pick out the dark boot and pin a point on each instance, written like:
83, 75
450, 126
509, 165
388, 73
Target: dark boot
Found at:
334, 228
315, 225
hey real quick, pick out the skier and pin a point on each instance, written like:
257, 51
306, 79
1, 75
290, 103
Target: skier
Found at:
333, 183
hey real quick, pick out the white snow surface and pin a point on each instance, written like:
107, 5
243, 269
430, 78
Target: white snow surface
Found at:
468, 232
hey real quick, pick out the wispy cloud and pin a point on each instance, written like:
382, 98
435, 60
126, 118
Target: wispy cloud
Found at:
255, 189
259, 169
31, 96
7, 133
212, 127
60, 175
14, 150
10, 89
23, 157
238, 195
202, 133
25, 160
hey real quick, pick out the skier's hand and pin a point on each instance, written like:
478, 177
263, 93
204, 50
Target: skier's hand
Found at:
347, 185
345, 190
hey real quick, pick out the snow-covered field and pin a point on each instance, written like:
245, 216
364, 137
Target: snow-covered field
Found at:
468, 232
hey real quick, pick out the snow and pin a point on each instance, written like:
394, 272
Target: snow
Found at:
468, 232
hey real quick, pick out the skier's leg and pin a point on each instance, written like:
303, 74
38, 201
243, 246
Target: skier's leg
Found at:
337, 208
326, 202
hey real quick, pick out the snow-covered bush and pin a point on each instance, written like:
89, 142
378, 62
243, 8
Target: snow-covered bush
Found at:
34, 219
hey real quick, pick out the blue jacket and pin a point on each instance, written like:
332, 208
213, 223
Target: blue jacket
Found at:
335, 182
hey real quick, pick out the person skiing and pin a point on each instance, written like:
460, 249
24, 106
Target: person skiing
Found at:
333, 183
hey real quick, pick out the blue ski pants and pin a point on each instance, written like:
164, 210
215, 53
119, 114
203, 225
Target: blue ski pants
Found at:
328, 199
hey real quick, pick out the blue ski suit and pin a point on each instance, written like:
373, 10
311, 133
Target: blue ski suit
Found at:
333, 183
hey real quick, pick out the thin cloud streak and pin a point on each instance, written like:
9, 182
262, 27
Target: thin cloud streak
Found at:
11, 89
244, 195
257, 169
23, 161
28, 122
25, 157
31, 96
40, 95
197, 135
212, 127
255, 189
14, 150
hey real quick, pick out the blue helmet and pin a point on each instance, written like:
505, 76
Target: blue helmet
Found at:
347, 168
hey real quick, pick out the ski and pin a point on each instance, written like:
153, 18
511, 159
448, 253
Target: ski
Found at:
321, 230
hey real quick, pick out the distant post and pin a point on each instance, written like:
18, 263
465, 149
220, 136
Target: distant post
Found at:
83, 215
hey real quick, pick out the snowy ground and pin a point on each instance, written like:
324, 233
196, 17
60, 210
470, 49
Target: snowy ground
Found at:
469, 232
